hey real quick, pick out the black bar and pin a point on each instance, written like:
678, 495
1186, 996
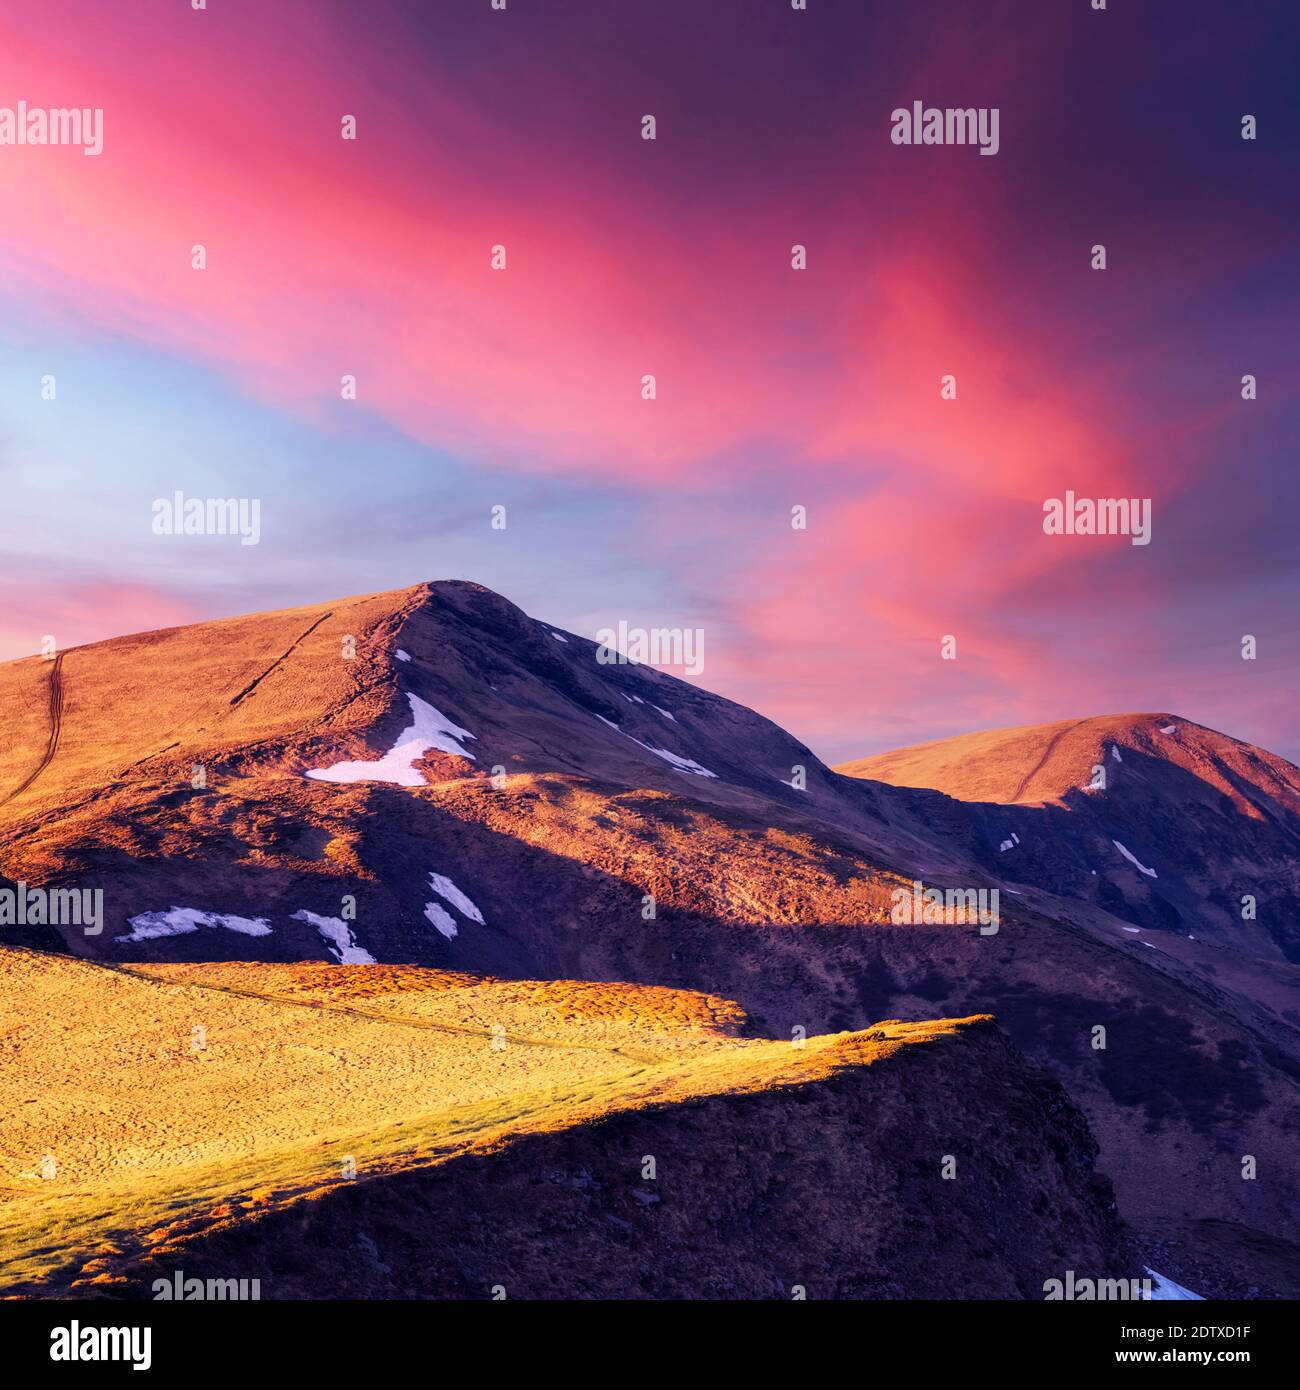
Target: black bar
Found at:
621, 1340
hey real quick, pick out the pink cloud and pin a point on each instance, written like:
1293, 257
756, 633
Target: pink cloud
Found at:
373, 259
81, 612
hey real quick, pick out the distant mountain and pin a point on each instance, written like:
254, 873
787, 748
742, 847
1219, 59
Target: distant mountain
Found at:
544, 815
1159, 821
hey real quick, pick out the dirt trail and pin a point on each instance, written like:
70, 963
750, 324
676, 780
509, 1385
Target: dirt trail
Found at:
1042, 762
252, 685
56, 726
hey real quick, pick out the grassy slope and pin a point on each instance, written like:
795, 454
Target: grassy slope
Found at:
303, 1066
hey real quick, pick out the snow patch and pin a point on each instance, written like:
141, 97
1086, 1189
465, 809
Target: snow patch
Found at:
178, 921
445, 888
1134, 930
559, 637
441, 918
1169, 728
403, 656
1114, 752
1167, 1289
338, 938
1133, 859
665, 713
680, 763
429, 729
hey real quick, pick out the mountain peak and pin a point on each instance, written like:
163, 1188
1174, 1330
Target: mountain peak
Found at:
1036, 763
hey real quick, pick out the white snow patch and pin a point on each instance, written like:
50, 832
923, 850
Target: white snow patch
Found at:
445, 888
1134, 930
429, 729
1006, 845
680, 763
403, 656
1166, 1288
1114, 750
178, 921
338, 938
559, 637
665, 713
441, 918
1133, 859
1169, 728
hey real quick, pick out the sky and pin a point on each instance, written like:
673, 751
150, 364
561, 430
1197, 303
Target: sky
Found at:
775, 388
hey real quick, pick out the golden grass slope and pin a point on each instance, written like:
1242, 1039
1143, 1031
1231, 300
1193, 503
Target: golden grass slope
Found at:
145, 1101
185, 692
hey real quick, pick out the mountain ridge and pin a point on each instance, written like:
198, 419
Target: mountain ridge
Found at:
555, 822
